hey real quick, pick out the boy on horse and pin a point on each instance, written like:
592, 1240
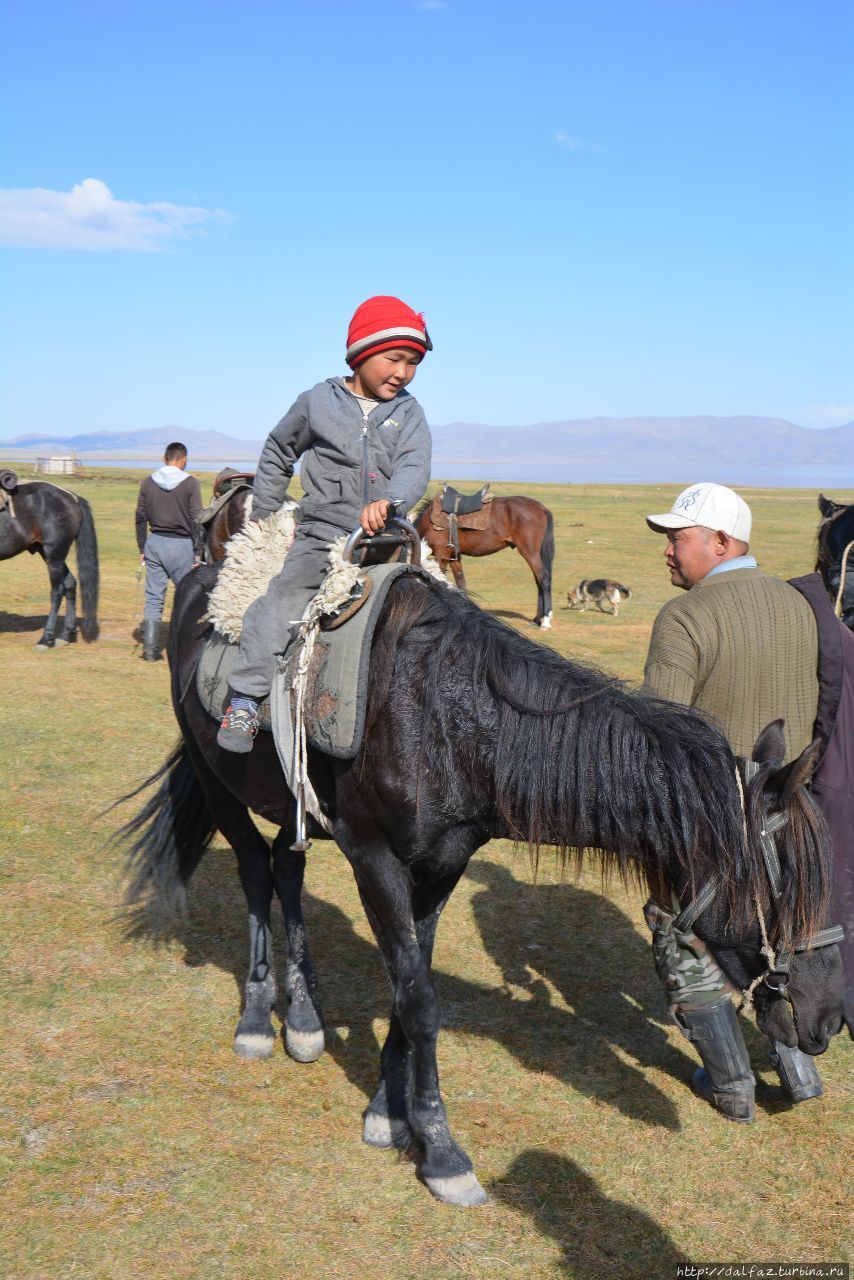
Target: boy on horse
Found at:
365, 448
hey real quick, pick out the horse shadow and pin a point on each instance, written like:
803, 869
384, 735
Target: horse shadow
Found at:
597, 1236
562, 938
574, 1046
20, 622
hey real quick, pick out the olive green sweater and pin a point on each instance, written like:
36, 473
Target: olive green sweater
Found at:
743, 648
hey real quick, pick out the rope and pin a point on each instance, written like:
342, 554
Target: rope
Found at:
300, 681
837, 608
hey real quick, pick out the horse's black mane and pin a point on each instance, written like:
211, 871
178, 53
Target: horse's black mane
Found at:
579, 760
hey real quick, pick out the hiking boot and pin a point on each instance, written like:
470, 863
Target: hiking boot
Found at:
239, 725
798, 1073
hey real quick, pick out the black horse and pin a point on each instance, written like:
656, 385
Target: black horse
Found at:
835, 560
474, 731
42, 518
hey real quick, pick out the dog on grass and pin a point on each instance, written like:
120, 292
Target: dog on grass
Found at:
596, 591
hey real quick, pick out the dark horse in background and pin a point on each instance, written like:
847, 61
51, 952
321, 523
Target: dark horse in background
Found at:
835, 560
473, 732
44, 519
520, 522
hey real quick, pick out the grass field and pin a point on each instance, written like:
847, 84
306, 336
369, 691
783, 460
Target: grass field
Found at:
134, 1142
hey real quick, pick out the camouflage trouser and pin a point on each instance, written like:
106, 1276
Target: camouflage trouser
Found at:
686, 968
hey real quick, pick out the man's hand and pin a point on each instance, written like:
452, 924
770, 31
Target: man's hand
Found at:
374, 516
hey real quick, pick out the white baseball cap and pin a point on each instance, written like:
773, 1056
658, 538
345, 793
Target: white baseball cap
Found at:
710, 506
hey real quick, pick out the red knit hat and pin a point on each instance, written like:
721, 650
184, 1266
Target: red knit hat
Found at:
383, 324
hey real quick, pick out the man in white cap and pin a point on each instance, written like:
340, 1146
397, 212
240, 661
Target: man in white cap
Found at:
742, 647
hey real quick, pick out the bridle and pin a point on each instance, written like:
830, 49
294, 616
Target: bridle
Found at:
841, 561
776, 975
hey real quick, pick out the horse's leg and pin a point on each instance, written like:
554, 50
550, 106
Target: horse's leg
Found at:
386, 1123
459, 576
69, 587
542, 577
254, 1037
387, 895
303, 1021
55, 569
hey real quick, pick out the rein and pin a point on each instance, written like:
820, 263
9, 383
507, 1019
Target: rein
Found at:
776, 975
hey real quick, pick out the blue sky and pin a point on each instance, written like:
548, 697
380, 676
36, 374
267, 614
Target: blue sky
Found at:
603, 208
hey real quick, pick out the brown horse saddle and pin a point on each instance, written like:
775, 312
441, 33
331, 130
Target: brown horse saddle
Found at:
8, 485
228, 483
453, 510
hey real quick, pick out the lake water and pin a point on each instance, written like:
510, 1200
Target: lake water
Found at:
563, 471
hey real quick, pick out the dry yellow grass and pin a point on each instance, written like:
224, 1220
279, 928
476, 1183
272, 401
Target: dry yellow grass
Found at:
135, 1144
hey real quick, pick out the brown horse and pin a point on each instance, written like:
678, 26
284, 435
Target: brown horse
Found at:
523, 523
227, 511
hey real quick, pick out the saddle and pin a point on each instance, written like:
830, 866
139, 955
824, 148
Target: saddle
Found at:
229, 479
8, 485
228, 483
453, 511
336, 686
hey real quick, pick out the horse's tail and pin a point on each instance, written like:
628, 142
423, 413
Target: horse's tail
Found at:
170, 834
88, 571
547, 550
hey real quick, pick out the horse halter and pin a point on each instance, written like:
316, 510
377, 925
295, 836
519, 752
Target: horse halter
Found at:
841, 560
776, 976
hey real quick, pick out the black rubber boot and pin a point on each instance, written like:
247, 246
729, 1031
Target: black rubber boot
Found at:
797, 1071
725, 1079
151, 640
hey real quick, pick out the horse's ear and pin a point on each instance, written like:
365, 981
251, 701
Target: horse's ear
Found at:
770, 747
797, 774
825, 506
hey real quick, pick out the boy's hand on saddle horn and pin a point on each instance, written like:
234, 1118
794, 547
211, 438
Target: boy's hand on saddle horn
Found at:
374, 516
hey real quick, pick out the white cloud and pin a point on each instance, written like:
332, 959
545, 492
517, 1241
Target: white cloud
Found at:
90, 217
575, 144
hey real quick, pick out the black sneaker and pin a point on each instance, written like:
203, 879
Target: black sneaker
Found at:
239, 726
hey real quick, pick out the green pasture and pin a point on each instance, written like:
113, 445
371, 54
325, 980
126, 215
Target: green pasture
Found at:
135, 1144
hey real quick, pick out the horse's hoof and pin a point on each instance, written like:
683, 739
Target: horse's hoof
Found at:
546, 622
44, 645
463, 1190
304, 1046
251, 1044
381, 1131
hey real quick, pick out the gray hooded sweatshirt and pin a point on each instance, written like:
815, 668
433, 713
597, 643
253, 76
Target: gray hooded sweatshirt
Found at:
347, 461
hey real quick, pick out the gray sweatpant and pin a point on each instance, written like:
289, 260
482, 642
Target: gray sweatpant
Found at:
165, 558
268, 623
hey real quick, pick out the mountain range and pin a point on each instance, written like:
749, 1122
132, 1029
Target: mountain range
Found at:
739, 450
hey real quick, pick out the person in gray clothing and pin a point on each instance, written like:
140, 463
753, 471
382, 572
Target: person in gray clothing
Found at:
365, 449
168, 535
